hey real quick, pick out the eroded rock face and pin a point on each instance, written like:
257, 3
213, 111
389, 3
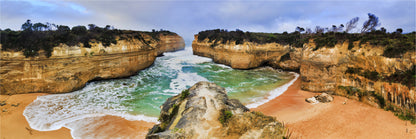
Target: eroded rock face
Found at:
170, 43
324, 69
71, 67
243, 56
197, 114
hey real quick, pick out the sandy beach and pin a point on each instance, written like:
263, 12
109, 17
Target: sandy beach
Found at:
335, 119
323, 120
15, 126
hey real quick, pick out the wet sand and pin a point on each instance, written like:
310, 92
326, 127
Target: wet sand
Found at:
14, 124
335, 119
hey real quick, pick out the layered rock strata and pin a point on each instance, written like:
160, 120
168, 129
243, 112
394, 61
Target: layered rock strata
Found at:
324, 69
71, 67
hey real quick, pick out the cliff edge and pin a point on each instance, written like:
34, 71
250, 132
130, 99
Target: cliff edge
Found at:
359, 70
69, 68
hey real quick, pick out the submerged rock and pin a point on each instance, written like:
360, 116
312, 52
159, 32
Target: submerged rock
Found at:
205, 111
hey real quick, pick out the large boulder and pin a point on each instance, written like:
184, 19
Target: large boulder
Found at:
205, 111
324, 98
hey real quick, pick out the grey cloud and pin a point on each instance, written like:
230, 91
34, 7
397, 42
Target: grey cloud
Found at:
187, 17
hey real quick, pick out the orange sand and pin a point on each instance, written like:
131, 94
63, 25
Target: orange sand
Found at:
323, 120
335, 119
15, 126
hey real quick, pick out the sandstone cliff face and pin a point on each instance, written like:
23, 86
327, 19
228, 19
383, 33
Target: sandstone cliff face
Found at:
242, 56
323, 70
71, 67
170, 43
205, 111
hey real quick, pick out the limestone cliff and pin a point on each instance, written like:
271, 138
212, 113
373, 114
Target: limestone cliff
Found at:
326, 69
204, 111
242, 56
70, 67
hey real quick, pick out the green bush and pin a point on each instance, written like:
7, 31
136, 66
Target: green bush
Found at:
399, 112
184, 94
225, 115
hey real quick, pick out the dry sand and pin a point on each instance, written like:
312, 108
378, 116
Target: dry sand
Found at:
335, 119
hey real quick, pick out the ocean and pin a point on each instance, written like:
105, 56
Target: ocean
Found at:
139, 97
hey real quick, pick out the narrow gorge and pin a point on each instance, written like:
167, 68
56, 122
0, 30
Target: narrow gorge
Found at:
357, 70
69, 68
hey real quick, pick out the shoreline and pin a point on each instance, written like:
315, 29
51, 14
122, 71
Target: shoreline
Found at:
353, 119
275, 92
304, 120
15, 125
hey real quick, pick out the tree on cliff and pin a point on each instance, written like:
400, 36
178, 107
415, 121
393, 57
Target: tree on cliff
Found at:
370, 24
299, 29
39, 36
79, 30
351, 24
27, 25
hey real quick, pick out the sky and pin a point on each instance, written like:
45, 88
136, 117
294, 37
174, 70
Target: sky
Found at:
188, 17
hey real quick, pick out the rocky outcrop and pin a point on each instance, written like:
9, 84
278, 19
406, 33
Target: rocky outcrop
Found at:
324, 69
243, 56
205, 111
71, 67
324, 98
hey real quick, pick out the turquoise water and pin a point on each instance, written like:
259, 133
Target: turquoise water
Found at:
140, 96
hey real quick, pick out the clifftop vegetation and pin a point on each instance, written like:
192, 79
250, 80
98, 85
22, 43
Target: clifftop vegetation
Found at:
39, 36
395, 43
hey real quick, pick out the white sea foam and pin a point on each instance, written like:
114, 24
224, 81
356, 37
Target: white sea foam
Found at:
274, 93
52, 112
184, 81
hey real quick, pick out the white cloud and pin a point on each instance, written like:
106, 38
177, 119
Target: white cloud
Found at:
190, 17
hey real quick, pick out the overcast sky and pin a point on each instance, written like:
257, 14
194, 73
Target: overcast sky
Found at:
188, 17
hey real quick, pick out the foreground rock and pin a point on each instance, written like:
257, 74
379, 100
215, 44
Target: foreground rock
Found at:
205, 111
71, 67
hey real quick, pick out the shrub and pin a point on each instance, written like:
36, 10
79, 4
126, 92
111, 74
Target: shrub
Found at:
225, 115
184, 94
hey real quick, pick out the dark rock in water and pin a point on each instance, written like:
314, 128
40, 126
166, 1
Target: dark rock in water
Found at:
205, 111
